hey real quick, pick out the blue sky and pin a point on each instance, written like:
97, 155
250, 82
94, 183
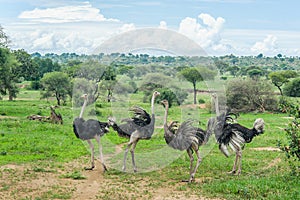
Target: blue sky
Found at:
241, 27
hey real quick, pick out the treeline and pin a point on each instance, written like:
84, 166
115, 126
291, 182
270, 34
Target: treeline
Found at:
249, 80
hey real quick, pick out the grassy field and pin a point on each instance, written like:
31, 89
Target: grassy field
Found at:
40, 160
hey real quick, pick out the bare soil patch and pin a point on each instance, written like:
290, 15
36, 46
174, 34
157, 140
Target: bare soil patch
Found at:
266, 149
46, 181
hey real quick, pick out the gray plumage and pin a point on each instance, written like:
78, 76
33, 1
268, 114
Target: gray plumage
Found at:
184, 137
139, 127
90, 129
233, 135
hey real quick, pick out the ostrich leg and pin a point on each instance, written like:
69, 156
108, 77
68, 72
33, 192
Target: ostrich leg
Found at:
92, 155
125, 155
240, 162
100, 152
190, 153
235, 163
132, 155
199, 159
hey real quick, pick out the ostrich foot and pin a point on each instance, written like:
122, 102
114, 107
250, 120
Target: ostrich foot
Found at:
104, 167
89, 168
123, 168
238, 173
231, 172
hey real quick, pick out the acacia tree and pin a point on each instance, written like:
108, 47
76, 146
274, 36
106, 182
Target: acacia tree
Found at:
56, 84
279, 78
195, 75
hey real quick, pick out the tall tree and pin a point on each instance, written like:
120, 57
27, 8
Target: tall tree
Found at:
195, 75
28, 69
279, 78
9, 73
4, 40
56, 84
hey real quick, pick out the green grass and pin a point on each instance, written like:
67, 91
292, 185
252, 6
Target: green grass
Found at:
265, 173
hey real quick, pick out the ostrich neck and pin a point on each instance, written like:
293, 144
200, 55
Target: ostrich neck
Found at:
82, 109
152, 104
217, 106
167, 134
166, 118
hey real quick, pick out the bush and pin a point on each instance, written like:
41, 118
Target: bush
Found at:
292, 88
246, 95
292, 148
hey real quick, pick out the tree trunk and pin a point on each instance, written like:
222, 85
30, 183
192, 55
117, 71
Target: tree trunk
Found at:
280, 90
58, 100
195, 93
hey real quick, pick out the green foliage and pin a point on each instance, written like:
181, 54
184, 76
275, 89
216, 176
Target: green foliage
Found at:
45, 65
9, 73
279, 78
250, 95
28, 69
195, 75
4, 40
56, 84
175, 97
292, 88
292, 148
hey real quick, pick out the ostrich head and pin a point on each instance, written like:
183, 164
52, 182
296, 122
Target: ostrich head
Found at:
111, 121
259, 125
165, 102
84, 96
155, 94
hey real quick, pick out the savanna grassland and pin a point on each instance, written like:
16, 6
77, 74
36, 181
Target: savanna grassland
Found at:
41, 160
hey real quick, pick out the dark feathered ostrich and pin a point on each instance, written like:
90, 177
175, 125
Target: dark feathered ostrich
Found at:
234, 135
139, 127
185, 137
90, 129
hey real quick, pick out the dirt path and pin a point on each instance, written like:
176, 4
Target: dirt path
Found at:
40, 181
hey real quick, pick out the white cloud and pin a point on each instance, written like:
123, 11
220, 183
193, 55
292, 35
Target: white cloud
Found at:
267, 46
163, 25
73, 13
127, 27
207, 34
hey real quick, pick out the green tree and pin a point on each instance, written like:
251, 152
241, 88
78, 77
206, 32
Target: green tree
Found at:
195, 75
292, 146
56, 84
249, 95
4, 40
27, 69
292, 88
279, 78
45, 65
9, 74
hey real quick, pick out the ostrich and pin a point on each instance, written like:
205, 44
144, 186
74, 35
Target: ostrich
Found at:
139, 127
90, 129
186, 137
234, 135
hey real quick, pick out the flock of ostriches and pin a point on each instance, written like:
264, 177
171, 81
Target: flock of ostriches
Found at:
181, 137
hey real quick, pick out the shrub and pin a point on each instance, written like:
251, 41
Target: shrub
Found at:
292, 88
250, 95
292, 148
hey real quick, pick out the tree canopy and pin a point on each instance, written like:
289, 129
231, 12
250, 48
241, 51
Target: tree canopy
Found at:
56, 84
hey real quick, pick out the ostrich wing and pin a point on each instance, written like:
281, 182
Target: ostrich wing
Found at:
184, 137
220, 122
141, 117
